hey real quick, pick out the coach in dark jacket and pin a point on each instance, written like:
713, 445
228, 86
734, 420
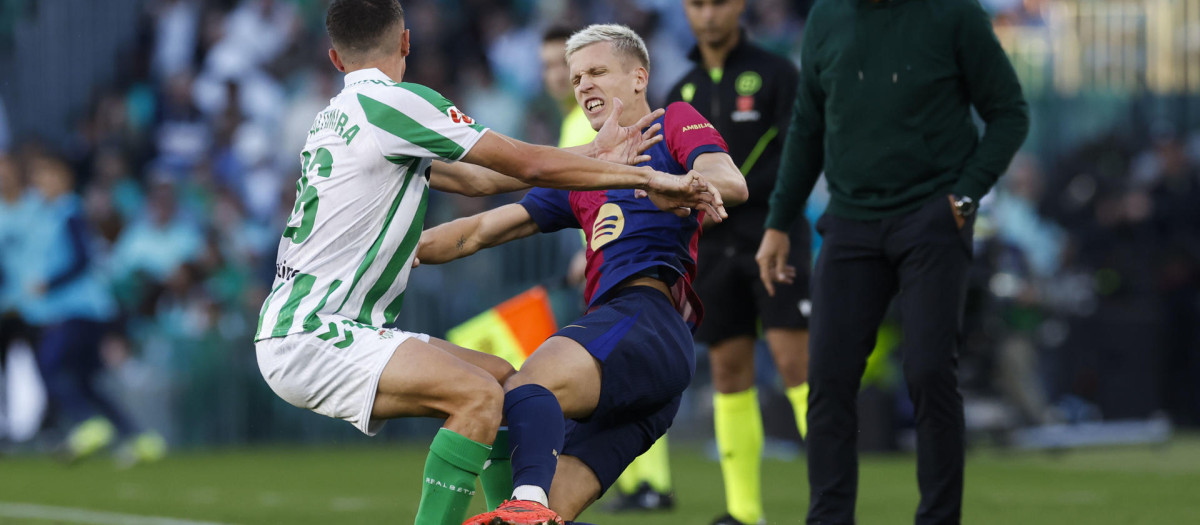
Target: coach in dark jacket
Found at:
884, 108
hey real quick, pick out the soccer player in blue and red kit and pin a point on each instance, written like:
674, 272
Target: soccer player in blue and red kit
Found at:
602, 389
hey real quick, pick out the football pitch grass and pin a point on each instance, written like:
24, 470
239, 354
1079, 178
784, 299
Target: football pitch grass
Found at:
1132, 485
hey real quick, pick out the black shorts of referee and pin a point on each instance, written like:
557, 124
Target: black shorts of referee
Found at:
734, 297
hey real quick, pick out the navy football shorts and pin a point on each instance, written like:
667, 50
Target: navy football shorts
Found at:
647, 360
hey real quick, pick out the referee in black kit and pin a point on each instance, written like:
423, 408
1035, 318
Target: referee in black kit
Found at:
746, 92
884, 107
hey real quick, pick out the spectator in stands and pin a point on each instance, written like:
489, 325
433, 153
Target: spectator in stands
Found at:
71, 303
158, 242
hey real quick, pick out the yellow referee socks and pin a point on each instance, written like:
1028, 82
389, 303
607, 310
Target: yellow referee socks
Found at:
798, 395
628, 482
654, 466
739, 430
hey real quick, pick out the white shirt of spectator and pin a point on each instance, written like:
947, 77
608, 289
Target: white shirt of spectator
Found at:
360, 204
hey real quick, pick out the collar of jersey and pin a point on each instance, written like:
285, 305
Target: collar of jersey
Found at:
361, 75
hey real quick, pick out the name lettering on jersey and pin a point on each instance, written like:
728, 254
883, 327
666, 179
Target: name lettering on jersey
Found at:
283, 271
609, 224
376, 82
334, 120
693, 127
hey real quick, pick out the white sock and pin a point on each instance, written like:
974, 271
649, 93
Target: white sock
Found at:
531, 493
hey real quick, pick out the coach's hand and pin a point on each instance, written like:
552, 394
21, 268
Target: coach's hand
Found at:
772, 260
626, 145
680, 194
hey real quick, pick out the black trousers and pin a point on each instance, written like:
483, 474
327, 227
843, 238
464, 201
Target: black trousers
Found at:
922, 256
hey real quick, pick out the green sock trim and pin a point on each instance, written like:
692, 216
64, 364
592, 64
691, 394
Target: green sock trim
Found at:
457, 450
738, 424
798, 395
497, 478
654, 466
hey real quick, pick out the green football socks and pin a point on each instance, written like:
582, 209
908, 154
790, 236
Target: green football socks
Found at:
449, 481
497, 477
739, 430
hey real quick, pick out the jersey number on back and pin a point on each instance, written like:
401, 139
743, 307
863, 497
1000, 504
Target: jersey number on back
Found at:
304, 213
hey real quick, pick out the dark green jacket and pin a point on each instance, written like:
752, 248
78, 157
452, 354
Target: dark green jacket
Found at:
884, 108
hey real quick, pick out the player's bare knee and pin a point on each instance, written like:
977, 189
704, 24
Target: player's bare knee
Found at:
498, 368
477, 396
792, 367
730, 375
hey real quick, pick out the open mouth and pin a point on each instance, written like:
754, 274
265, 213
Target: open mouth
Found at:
593, 105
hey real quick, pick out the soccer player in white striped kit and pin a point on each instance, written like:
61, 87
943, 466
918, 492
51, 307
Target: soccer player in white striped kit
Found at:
345, 256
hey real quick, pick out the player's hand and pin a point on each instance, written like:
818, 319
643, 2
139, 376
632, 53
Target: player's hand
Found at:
681, 194
626, 145
772, 260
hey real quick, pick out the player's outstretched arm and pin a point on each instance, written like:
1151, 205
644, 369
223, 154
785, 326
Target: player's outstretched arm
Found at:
462, 237
554, 168
718, 168
614, 143
471, 180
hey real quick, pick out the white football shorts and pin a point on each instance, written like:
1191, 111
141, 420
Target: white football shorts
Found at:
333, 370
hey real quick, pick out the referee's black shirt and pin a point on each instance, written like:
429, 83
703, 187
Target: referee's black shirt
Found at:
749, 101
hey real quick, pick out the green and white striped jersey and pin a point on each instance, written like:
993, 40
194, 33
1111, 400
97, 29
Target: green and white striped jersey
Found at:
360, 203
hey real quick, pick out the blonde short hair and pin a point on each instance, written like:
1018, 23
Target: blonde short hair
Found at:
624, 41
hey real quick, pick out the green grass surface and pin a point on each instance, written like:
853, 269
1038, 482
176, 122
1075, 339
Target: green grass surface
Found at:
1136, 485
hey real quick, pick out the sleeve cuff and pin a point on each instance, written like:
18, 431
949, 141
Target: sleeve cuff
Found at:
969, 187
780, 221
539, 215
700, 150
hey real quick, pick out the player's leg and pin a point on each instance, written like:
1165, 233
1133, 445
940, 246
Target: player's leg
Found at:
561, 379
737, 421
645, 351
654, 471
600, 448
730, 328
422, 379
136, 444
852, 284
495, 366
496, 477
789, 348
785, 325
933, 259
58, 361
575, 487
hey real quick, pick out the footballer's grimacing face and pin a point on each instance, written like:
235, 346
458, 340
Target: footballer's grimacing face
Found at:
599, 75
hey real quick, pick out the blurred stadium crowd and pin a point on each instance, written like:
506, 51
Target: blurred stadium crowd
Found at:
1084, 306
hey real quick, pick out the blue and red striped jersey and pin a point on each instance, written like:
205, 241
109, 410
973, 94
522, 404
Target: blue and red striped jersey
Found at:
628, 236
